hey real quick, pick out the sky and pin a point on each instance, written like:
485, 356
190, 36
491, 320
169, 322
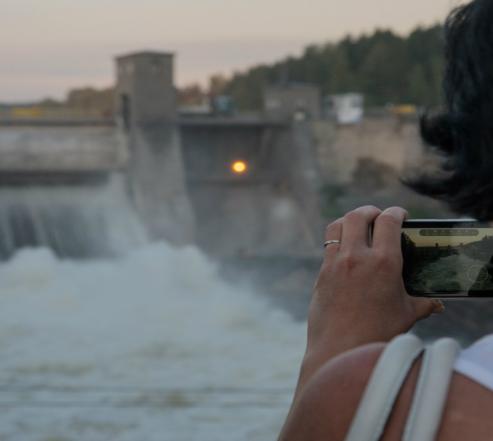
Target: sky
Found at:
50, 46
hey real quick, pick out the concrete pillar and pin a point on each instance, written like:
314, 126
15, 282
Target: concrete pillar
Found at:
147, 114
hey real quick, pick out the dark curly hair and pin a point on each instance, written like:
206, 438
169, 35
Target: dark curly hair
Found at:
463, 132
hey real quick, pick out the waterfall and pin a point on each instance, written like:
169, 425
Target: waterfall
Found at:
74, 221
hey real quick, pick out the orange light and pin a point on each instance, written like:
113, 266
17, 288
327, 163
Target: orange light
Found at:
239, 167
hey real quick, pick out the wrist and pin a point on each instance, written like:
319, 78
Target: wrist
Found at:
317, 355
335, 335
320, 353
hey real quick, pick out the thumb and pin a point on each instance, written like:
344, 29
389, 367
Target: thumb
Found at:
426, 307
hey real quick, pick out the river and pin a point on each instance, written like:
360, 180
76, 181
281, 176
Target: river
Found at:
149, 346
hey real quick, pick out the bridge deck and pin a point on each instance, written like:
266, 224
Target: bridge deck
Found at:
90, 145
61, 149
183, 121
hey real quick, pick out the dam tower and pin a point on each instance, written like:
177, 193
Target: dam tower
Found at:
147, 117
145, 93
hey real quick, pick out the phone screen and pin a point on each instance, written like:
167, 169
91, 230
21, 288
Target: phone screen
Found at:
448, 258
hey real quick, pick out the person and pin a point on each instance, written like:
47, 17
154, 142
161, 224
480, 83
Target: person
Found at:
360, 304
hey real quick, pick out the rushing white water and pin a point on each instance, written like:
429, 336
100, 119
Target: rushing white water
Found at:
75, 221
150, 346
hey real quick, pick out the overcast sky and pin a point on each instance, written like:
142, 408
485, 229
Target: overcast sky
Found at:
49, 46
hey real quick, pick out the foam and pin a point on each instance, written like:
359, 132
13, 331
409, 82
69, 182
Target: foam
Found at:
151, 346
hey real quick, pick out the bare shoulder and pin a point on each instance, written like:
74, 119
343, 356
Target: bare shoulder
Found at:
329, 401
327, 404
468, 413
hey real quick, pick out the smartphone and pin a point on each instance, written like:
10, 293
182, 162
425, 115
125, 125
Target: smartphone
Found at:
448, 258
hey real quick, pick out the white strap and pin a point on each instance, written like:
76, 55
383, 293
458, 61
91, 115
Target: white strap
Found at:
431, 391
383, 388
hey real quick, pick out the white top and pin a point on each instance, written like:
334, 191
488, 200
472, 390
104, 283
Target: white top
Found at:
476, 362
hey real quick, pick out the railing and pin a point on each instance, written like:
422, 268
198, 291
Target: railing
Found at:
38, 116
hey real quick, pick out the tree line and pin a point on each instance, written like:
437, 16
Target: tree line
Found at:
385, 67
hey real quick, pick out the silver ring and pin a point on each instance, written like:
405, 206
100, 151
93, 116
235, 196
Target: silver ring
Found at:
331, 242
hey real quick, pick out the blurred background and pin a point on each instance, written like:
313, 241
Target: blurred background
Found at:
167, 170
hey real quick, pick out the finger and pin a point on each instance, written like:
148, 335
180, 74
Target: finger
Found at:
426, 307
388, 229
356, 227
333, 232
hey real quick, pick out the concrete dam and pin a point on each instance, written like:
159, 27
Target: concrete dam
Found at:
178, 180
90, 188
80, 187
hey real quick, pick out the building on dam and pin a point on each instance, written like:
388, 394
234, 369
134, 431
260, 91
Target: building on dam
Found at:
245, 185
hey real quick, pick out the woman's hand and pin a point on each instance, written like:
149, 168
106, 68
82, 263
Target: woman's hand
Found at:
360, 297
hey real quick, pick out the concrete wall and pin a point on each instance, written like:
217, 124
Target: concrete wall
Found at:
145, 93
61, 149
156, 182
149, 157
210, 148
147, 115
261, 212
179, 178
209, 151
340, 149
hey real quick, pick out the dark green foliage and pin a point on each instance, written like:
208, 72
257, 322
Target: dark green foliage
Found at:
385, 67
